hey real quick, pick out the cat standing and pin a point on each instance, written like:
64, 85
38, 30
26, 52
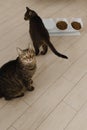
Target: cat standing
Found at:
39, 33
16, 75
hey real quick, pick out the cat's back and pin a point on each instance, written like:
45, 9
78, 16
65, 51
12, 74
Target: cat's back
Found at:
37, 27
8, 67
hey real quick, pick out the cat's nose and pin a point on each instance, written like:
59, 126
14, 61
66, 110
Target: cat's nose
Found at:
24, 18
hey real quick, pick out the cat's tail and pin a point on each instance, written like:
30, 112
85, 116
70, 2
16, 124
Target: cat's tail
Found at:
55, 51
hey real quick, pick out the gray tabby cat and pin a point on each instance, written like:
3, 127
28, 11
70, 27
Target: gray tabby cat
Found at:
16, 75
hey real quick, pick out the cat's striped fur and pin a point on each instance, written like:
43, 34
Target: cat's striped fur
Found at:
16, 75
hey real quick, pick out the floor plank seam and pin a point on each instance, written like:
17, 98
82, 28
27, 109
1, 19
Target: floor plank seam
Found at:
74, 116
51, 113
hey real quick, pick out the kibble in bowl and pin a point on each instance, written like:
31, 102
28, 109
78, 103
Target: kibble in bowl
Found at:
62, 25
76, 25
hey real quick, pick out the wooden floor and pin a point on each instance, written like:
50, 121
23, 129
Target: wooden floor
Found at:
59, 101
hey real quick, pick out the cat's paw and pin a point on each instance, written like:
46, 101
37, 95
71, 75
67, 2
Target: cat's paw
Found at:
31, 88
43, 52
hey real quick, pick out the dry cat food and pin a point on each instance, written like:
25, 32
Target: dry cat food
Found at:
61, 25
76, 25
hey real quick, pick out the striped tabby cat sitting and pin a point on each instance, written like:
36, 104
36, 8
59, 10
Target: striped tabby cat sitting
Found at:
16, 75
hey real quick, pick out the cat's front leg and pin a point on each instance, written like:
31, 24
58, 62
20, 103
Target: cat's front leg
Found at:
28, 85
36, 48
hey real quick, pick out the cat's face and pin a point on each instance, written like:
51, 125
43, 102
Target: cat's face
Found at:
27, 56
29, 14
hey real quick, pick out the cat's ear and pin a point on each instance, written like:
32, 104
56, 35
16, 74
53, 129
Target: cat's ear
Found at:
27, 9
31, 12
19, 51
29, 48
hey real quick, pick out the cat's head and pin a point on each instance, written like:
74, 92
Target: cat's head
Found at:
29, 14
26, 56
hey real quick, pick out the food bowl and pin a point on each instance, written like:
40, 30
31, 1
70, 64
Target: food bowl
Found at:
62, 25
76, 25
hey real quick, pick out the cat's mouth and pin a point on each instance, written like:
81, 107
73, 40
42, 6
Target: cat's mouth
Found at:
28, 61
32, 67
